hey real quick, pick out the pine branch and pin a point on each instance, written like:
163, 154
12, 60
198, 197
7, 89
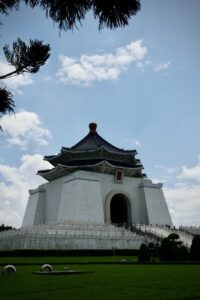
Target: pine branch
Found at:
111, 13
6, 103
8, 75
26, 58
6, 5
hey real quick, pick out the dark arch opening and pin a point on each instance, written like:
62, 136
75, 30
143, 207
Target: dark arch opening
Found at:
119, 210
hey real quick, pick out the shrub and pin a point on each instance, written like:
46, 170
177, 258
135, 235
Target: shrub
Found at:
182, 253
195, 248
143, 254
173, 236
166, 250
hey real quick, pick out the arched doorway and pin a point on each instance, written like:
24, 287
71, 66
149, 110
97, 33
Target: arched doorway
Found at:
119, 210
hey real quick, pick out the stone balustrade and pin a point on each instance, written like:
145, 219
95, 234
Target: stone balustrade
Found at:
71, 236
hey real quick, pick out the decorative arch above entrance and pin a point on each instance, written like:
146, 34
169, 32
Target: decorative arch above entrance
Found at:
118, 208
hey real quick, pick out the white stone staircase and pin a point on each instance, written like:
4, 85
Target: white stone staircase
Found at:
164, 231
72, 236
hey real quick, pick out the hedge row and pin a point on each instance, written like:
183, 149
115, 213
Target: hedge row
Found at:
39, 253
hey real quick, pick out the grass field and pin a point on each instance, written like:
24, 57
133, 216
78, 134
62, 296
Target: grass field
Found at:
109, 281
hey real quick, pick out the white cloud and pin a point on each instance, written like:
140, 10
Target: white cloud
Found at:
8, 216
14, 187
190, 173
137, 143
162, 66
16, 81
24, 128
172, 170
169, 170
156, 180
184, 198
141, 65
47, 78
131, 143
184, 204
98, 67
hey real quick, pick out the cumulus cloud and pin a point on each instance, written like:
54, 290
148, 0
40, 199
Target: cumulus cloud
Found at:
184, 204
191, 173
98, 67
14, 83
162, 66
14, 186
184, 197
24, 128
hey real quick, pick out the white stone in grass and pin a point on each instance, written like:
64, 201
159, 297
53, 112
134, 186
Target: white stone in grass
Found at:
123, 260
46, 268
9, 269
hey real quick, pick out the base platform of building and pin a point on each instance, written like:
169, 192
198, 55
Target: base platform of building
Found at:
72, 237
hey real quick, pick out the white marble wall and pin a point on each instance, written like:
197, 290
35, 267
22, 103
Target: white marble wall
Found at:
85, 197
157, 210
35, 210
81, 200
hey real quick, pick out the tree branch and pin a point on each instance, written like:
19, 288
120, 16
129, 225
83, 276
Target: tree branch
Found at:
8, 75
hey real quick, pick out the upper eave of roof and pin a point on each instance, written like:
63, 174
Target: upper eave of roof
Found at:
93, 141
55, 172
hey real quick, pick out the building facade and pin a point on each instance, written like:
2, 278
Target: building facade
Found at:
98, 183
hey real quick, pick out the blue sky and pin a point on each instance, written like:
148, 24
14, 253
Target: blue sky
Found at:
140, 84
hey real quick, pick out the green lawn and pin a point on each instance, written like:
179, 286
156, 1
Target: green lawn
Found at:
108, 282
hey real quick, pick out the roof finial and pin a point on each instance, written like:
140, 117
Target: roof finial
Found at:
93, 127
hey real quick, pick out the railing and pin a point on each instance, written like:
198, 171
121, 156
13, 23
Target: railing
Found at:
101, 231
190, 229
78, 231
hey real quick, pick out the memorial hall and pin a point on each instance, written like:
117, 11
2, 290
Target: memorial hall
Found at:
95, 196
